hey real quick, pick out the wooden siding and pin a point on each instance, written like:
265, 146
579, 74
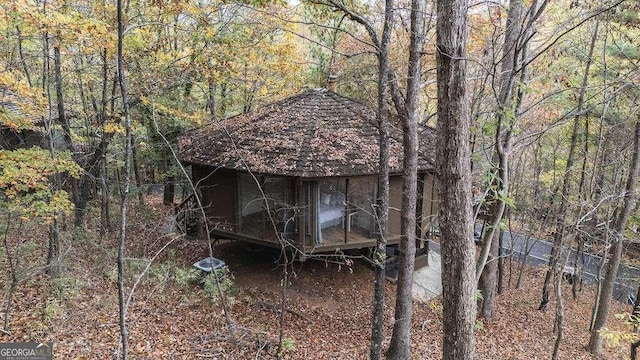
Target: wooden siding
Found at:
218, 190
430, 203
395, 204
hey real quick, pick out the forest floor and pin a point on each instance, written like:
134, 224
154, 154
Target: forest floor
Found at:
328, 304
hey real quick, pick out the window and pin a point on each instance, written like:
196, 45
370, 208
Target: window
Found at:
345, 210
263, 207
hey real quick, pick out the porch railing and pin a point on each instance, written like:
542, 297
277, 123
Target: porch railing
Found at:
187, 215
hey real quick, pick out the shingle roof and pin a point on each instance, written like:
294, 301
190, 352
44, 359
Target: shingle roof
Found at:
317, 133
11, 104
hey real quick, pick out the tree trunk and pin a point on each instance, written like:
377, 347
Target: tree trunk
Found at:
578, 268
211, 101
382, 202
224, 94
508, 102
79, 202
105, 218
169, 180
606, 292
127, 182
559, 319
401, 338
488, 280
601, 265
501, 262
636, 316
578, 263
23, 60
53, 252
136, 172
13, 262
453, 164
283, 299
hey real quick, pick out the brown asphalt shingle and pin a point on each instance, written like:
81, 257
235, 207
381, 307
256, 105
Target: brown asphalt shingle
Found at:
317, 133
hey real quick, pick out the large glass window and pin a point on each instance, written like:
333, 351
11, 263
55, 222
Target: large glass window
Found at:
331, 209
361, 211
345, 210
279, 206
264, 211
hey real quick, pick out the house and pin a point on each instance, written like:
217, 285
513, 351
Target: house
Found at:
303, 170
29, 129
10, 112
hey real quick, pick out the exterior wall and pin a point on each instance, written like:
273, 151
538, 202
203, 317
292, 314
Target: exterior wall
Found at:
223, 198
218, 190
266, 207
12, 140
395, 204
344, 210
236, 208
429, 203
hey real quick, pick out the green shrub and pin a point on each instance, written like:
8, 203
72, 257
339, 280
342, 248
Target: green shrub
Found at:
52, 310
288, 345
227, 286
66, 286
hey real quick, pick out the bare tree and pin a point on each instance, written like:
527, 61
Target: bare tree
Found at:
380, 43
401, 338
558, 323
486, 272
13, 261
636, 313
127, 181
558, 236
453, 164
606, 292
382, 201
510, 94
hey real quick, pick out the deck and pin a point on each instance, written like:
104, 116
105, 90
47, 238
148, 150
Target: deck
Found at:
335, 235
333, 240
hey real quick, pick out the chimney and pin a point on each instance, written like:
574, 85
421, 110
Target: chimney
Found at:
331, 83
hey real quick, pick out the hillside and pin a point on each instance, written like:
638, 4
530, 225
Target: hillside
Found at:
327, 318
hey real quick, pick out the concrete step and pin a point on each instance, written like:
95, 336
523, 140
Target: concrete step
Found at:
427, 281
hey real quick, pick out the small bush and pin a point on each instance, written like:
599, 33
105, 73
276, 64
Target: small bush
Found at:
51, 311
226, 285
288, 345
436, 308
187, 276
65, 286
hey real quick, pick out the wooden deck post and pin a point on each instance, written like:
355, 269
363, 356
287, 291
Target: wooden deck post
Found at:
301, 212
347, 218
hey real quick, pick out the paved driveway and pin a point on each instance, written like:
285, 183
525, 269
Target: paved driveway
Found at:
540, 250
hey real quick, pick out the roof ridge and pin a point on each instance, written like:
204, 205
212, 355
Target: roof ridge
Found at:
267, 109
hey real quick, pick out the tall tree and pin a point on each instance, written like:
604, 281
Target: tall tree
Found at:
505, 117
127, 180
606, 291
454, 170
401, 338
382, 201
400, 344
558, 236
511, 82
